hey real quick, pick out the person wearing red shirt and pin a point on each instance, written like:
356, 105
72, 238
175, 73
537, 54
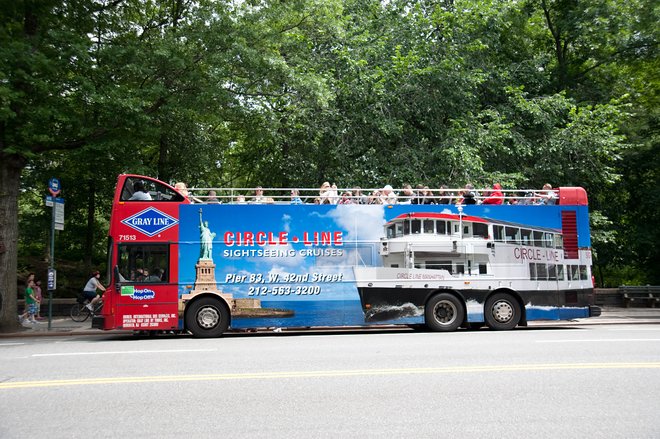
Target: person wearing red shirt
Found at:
496, 196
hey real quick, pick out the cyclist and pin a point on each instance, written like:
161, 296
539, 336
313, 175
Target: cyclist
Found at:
89, 292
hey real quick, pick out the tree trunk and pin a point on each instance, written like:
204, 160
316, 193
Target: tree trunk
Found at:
10, 175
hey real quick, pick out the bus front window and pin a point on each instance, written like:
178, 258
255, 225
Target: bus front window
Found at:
143, 263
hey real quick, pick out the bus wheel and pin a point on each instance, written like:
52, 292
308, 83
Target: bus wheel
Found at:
444, 312
502, 312
207, 317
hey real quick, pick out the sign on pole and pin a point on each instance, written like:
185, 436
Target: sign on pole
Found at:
59, 213
52, 279
54, 186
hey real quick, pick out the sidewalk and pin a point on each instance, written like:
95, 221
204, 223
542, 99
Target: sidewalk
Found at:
64, 326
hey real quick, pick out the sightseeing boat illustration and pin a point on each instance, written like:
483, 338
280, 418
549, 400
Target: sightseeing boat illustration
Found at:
461, 269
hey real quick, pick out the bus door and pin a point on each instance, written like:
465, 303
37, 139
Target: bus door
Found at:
145, 297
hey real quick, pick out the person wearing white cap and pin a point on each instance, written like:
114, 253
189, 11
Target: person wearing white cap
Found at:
387, 195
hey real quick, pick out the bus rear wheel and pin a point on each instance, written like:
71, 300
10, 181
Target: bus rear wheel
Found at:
443, 313
207, 317
502, 312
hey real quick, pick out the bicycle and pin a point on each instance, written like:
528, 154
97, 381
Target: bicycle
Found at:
80, 312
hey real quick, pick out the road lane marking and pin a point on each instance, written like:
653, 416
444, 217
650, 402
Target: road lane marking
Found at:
597, 340
163, 351
634, 329
325, 374
11, 344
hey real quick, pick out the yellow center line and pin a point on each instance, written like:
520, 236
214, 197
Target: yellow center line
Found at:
325, 374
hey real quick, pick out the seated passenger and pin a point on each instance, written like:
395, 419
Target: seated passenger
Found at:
443, 196
328, 194
548, 196
212, 198
154, 277
388, 195
358, 197
183, 190
346, 198
258, 196
426, 196
469, 195
407, 195
139, 192
419, 193
375, 198
496, 196
295, 197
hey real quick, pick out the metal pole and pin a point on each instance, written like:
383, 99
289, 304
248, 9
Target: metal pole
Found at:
52, 266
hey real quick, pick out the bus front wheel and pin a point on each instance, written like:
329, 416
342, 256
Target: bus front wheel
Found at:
207, 317
502, 312
444, 312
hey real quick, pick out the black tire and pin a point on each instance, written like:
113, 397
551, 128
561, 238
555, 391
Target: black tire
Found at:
444, 312
207, 317
502, 312
79, 313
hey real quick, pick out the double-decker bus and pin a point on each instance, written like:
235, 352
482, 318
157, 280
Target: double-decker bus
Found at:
204, 265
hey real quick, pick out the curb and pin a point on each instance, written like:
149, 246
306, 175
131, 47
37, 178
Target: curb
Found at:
68, 332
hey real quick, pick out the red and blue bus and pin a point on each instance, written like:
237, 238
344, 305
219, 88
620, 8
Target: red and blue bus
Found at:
193, 264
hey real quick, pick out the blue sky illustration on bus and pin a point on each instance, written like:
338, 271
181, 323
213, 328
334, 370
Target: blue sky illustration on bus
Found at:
301, 257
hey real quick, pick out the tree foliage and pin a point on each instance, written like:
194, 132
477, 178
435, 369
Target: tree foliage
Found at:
360, 92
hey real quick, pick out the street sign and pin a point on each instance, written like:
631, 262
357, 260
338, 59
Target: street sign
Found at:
59, 210
58, 213
49, 201
54, 186
52, 279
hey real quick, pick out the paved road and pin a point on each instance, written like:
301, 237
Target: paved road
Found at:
546, 381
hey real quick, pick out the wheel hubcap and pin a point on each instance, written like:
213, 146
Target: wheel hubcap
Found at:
444, 312
208, 317
502, 311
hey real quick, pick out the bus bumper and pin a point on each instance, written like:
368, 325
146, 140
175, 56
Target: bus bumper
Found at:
594, 311
97, 322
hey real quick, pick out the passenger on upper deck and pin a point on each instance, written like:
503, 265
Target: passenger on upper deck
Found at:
427, 196
548, 196
183, 190
328, 194
443, 197
212, 198
407, 195
346, 198
417, 198
358, 196
387, 195
375, 198
295, 197
496, 196
139, 192
469, 195
258, 196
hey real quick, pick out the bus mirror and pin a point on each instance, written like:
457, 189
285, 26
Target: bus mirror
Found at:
116, 278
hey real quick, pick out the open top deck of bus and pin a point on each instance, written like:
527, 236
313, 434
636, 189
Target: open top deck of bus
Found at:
205, 260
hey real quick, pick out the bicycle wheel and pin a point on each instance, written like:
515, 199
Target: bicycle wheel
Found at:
79, 312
